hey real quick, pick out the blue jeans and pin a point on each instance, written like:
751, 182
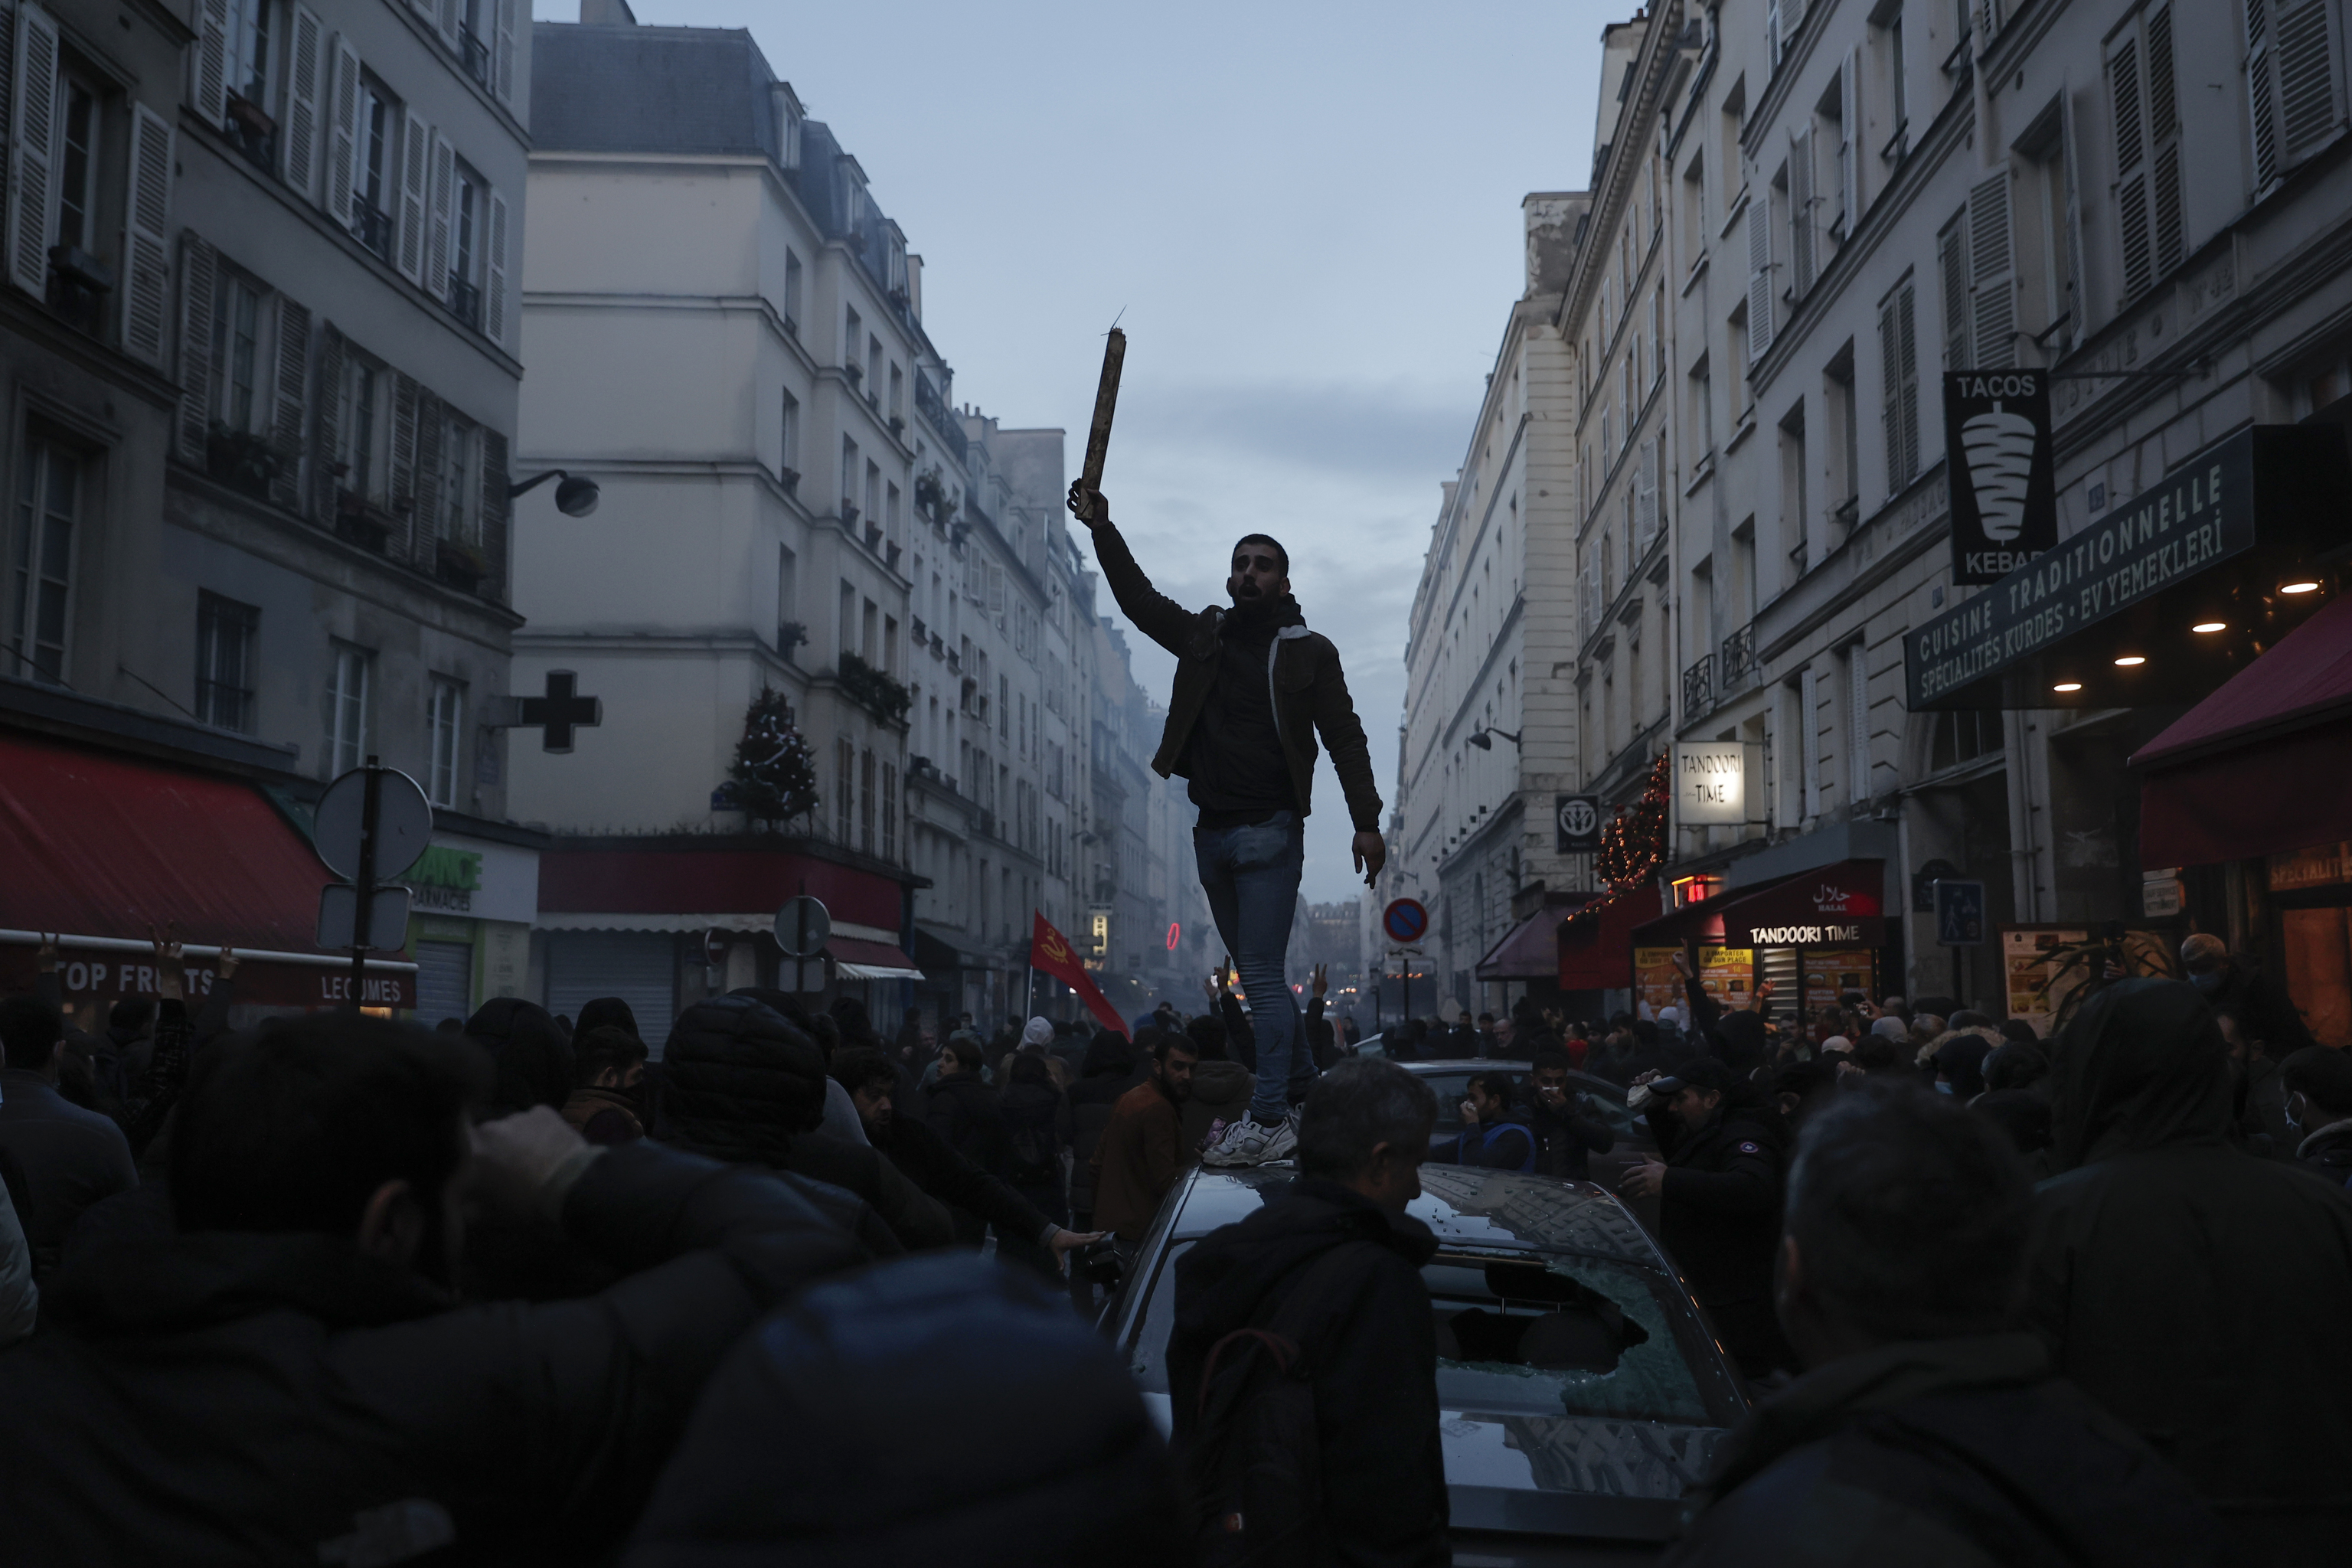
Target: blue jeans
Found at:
1251, 878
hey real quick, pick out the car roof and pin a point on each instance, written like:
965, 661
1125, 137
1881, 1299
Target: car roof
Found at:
1464, 1205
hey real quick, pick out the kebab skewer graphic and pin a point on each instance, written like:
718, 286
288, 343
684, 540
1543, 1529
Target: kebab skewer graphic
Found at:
1999, 445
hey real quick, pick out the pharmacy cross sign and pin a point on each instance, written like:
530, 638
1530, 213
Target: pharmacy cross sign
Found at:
556, 714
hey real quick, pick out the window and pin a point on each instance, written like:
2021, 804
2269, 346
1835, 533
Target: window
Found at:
1844, 465
865, 800
224, 632
1794, 530
236, 352
852, 328
849, 618
351, 677
1899, 367
2295, 80
1857, 719
49, 504
1963, 737
897, 392
378, 167
848, 482
789, 461
77, 166
446, 718
1897, 87
460, 485
2048, 253
890, 811
467, 207
791, 294
2147, 124
359, 427
890, 644
788, 593
845, 792
869, 639
248, 51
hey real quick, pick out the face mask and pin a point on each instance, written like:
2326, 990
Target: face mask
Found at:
2208, 983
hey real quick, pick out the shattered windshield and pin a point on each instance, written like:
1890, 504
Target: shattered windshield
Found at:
1560, 1336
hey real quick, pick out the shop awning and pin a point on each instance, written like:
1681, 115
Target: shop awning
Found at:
857, 960
690, 880
1529, 950
101, 847
2258, 767
1597, 954
2107, 620
1839, 905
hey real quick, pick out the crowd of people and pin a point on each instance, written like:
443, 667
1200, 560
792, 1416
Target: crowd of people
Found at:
525, 1288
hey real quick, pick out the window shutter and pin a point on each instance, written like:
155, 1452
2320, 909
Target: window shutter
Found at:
212, 62
503, 65
450, 22
2261, 92
1850, 137
32, 138
7, 83
2075, 328
424, 525
1801, 213
2131, 166
494, 290
1908, 403
326, 444
2310, 87
302, 104
995, 589
197, 281
1857, 719
1952, 275
1772, 33
147, 259
1992, 301
444, 181
343, 138
2164, 141
495, 510
416, 154
1760, 276
404, 464
1809, 739
286, 426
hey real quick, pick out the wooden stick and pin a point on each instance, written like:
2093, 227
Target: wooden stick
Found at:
1106, 404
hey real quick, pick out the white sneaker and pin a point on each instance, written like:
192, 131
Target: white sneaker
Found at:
1247, 1143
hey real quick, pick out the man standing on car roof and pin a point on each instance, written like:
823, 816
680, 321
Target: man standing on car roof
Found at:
1253, 688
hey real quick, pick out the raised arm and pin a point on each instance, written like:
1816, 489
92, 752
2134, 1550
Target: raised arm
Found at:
1155, 615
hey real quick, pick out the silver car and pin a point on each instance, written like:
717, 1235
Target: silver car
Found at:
1580, 1387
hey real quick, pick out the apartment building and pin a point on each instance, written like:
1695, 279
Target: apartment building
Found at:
262, 340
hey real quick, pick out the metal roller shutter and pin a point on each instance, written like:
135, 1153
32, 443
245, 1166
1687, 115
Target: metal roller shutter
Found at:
639, 967
445, 980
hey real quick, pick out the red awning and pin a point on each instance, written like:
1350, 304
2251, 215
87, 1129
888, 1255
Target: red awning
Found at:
102, 847
2257, 768
858, 959
719, 878
1842, 905
1530, 950
1597, 954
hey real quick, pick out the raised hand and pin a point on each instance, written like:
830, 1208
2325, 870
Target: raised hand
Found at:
1088, 506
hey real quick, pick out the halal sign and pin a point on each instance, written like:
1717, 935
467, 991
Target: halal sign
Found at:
2004, 497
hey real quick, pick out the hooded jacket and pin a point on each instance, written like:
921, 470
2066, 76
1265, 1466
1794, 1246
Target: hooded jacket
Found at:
1309, 689
1374, 1366
533, 1058
2198, 1292
1221, 1092
222, 1397
1960, 1453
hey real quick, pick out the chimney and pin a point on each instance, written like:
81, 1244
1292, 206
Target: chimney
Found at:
1551, 220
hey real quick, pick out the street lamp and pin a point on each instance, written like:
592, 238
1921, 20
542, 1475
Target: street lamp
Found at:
1484, 738
576, 496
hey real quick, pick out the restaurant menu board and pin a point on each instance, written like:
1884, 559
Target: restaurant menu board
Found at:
1727, 974
1832, 971
1656, 982
2031, 964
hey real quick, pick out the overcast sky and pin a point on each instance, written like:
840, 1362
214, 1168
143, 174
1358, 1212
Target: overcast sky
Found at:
1308, 212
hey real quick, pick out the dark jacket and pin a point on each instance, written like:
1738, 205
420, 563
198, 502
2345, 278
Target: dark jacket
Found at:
2263, 1006
741, 1084
1374, 1368
1719, 1207
1138, 1159
604, 1115
72, 1158
989, 1428
1108, 1076
1567, 1137
974, 1199
1506, 1144
1964, 1453
224, 1397
1036, 1129
1310, 692
964, 1112
2198, 1292
534, 1060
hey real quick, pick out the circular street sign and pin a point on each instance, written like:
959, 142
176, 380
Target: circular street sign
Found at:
403, 824
802, 927
714, 946
1405, 920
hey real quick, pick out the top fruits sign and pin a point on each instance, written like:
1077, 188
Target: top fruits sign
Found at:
2004, 497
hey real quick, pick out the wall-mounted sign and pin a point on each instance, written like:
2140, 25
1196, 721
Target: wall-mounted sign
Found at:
2004, 497
1711, 782
1577, 820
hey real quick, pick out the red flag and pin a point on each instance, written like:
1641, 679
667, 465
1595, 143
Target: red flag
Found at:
1050, 950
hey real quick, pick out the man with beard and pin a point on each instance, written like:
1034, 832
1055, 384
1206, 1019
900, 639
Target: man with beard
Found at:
1252, 689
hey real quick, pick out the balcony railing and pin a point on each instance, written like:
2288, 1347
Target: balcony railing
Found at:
1738, 658
1698, 687
476, 56
372, 226
466, 302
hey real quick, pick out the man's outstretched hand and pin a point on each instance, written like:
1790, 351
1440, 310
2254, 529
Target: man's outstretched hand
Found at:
1089, 507
1371, 852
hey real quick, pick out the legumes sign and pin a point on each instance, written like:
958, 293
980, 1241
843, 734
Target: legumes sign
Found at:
2201, 513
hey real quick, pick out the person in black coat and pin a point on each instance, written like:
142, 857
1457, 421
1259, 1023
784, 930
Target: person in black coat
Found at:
1718, 1191
1111, 1068
287, 1377
1340, 1230
1037, 1131
1927, 1429
531, 1052
964, 1111
1568, 1132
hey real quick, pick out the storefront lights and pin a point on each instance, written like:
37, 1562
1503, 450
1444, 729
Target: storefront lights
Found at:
2130, 659
2305, 587
2068, 686
2210, 627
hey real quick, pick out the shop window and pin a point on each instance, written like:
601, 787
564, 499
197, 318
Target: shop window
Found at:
1963, 737
225, 662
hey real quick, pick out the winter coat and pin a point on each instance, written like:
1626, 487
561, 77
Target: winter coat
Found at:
965, 1113
70, 1157
989, 1426
1221, 1092
1138, 1159
1961, 1453
534, 1060
974, 1199
1374, 1366
1567, 1137
1036, 1129
1719, 1207
2198, 1292
224, 1397
1091, 1099
743, 1085
2263, 1007
1309, 689
604, 1115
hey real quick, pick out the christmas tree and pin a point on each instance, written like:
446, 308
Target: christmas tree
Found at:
1634, 845
774, 774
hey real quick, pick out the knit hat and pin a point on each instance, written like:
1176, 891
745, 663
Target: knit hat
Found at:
1039, 1031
